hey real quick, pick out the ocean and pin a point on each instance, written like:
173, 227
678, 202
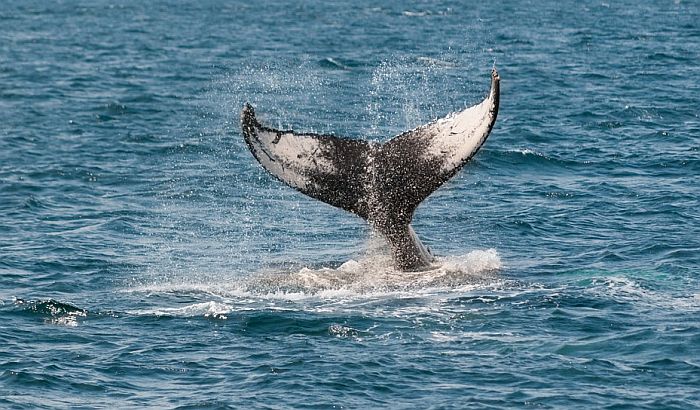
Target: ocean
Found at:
148, 261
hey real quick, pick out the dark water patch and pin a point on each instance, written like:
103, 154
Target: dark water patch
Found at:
610, 124
51, 311
204, 404
295, 324
671, 365
667, 58
26, 379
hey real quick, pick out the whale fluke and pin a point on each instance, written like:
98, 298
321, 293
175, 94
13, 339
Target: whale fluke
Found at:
381, 183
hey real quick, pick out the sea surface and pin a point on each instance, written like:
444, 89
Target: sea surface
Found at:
148, 261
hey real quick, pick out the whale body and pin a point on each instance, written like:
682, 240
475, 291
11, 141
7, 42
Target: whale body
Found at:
382, 183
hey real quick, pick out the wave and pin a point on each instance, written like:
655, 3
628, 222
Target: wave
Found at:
527, 157
212, 309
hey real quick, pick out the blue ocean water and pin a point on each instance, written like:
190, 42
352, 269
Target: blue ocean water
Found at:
146, 260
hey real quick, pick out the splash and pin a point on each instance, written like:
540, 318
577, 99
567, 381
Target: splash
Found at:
376, 276
207, 237
369, 277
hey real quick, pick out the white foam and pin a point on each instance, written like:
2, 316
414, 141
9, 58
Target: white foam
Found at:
525, 151
70, 319
505, 337
372, 276
212, 309
628, 289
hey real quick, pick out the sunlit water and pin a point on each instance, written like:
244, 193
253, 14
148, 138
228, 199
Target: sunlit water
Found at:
146, 260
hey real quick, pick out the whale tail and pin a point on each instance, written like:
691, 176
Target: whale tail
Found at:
381, 183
